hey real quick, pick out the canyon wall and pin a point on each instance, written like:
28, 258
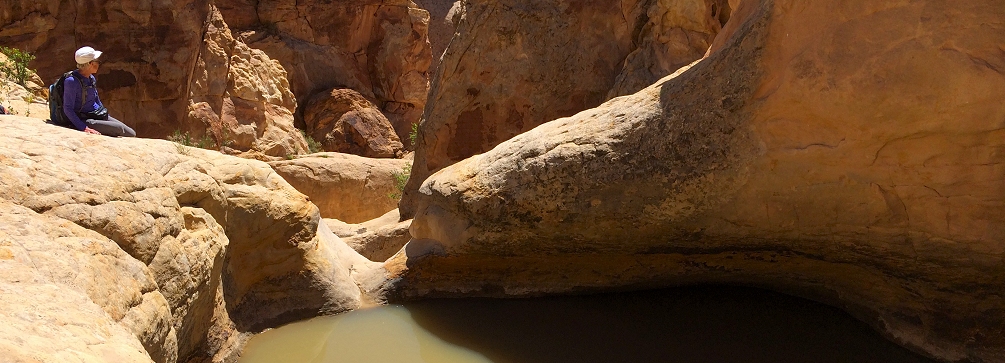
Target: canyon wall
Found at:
515, 64
848, 152
378, 48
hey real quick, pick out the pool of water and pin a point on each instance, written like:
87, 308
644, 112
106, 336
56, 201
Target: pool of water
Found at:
683, 325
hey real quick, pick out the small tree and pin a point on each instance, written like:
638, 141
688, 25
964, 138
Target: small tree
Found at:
16, 66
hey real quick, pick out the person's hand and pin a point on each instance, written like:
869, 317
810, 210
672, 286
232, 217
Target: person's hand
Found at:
91, 131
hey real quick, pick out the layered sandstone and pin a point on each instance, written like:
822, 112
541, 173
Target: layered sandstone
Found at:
131, 249
240, 97
849, 152
349, 188
515, 64
378, 48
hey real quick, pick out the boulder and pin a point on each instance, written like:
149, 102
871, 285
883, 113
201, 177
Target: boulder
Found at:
349, 188
187, 250
343, 121
241, 98
508, 71
378, 48
848, 152
376, 239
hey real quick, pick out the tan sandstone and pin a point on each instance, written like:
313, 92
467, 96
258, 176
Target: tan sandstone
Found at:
346, 187
343, 121
850, 152
240, 97
377, 239
177, 251
378, 48
515, 64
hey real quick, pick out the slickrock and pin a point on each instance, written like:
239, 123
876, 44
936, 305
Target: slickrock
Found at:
515, 64
343, 121
847, 151
349, 188
378, 48
376, 239
186, 250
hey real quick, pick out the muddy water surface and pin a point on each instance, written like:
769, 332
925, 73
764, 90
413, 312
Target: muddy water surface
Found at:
700, 324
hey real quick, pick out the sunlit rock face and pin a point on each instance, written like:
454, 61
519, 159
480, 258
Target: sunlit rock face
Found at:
240, 98
123, 249
515, 64
378, 48
349, 188
850, 152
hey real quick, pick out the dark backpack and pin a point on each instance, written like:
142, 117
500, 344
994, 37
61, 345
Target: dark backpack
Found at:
56, 113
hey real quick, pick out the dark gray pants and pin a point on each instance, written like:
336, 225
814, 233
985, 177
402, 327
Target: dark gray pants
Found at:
110, 127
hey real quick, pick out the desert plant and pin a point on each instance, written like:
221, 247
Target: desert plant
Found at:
414, 134
400, 179
15, 67
181, 138
312, 145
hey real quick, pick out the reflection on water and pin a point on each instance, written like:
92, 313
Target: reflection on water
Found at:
683, 325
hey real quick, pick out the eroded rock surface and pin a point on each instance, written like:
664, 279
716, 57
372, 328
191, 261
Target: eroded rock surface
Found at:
344, 121
240, 97
515, 64
349, 188
378, 48
377, 239
849, 152
175, 251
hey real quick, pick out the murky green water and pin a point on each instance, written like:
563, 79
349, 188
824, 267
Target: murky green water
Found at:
701, 324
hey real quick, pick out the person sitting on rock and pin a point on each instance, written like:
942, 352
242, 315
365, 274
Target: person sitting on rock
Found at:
93, 117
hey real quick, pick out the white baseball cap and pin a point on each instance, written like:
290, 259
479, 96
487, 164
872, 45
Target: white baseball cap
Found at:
86, 54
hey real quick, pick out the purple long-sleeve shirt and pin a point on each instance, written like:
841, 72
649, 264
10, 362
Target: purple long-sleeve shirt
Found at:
72, 101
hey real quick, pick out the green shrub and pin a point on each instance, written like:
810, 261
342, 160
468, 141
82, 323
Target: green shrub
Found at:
15, 67
414, 134
312, 145
400, 179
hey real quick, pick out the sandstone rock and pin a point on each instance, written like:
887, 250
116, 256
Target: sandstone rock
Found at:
344, 121
378, 48
848, 152
441, 25
669, 35
345, 187
186, 249
65, 289
241, 97
507, 71
376, 239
